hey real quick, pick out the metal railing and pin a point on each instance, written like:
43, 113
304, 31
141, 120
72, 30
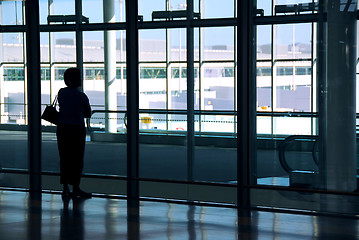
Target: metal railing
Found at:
199, 118
198, 113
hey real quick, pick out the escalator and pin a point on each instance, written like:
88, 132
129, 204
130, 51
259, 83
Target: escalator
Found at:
304, 178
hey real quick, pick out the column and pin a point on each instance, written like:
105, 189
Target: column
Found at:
79, 39
337, 96
34, 97
110, 67
246, 101
190, 91
53, 91
132, 106
133, 213
3, 118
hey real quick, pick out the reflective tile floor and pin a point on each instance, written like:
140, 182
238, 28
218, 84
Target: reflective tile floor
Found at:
100, 218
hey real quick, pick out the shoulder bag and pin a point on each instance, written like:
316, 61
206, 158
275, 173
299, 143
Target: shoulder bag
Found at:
50, 113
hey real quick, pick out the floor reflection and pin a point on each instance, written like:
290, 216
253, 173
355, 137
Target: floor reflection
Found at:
34, 219
111, 219
72, 225
191, 222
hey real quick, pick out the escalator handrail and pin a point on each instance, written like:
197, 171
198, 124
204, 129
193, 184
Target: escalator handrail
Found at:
285, 143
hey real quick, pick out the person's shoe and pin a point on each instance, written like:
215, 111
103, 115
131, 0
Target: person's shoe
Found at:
81, 194
66, 196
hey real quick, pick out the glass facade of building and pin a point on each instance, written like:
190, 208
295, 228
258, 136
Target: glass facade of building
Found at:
246, 104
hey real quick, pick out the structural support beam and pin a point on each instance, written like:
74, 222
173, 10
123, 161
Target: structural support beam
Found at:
190, 91
34, 97
246, 100
337, 94
110, 66
132, 101
79, 37
3, 117
132, 119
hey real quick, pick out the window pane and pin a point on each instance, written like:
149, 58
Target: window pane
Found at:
178, 86
13, 139
55, 7
266, 6
177, 5
121, 46
12, 99
146, 7
218, 87
45, 74
264, 42
264, 86
93, 9
291, 7
152, 45
264, 125
178, 43
153, 94
284, 126
293, 41
12, 47
211, 9
12, 12
215, 45
45, 85
44, 47
65, 47
57, 82
293, 92
93, 46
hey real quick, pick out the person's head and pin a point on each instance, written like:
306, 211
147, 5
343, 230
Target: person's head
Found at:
72, 77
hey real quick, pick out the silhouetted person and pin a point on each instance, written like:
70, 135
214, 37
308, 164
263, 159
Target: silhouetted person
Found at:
71, 133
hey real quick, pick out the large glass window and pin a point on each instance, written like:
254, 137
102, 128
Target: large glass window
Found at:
12, 12
13, 108
215, 97
103, 57
290, 80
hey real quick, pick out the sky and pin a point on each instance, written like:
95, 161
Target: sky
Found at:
212, 36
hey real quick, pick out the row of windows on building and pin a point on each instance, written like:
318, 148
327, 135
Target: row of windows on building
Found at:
284, 71
18, 74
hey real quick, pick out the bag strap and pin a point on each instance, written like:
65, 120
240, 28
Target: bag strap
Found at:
55, 101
